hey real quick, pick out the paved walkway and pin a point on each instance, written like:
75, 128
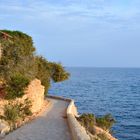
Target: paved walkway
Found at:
51, 125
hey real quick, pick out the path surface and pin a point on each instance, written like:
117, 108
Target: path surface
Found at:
51, 125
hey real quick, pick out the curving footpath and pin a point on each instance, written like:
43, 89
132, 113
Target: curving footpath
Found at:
51, 125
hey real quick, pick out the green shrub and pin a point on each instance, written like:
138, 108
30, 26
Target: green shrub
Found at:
26, 107
105, 122
43, 72
16, 86
18, 56
88, 121
16, 111
58, 73
47, 71
11, 112
102, 136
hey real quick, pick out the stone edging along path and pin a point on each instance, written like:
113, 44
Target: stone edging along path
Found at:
78, 132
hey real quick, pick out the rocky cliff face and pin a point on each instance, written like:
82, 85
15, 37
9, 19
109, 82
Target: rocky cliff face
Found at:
100, 132
34, 92
0, 51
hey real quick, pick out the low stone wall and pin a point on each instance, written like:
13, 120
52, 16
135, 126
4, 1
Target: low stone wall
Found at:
34, 92
78, 132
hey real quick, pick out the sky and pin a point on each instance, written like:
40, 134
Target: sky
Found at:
89, 33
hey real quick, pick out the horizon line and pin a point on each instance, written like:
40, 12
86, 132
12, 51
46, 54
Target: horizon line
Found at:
100, 67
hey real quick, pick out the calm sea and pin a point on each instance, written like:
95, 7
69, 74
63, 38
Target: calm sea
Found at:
106, 90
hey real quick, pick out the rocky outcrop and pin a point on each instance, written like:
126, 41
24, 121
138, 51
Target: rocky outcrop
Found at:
0, 51
99, 131
4, 127
34, 92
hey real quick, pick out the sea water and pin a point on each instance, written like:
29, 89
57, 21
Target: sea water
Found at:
106, 90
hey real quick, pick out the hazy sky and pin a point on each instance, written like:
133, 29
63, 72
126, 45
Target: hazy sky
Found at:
100, 33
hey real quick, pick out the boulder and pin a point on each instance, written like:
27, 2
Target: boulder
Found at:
34, 92
4, 127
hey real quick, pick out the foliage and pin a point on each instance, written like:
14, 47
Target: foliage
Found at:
18, 56
22, 42
102, 136
43, 72
47, 71
11, 112
16, 85
14, 111
58, 73
88, 121
105, 122
26, 107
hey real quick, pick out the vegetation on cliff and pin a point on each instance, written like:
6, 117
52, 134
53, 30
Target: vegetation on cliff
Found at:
16, 111
90, 122
19, 65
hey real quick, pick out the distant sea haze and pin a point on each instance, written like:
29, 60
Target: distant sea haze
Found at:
106, 90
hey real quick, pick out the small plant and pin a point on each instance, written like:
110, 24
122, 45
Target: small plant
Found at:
11, 112
102, 136
16, 111
105, 122
58, 73
26, 107
16, 85
88, 121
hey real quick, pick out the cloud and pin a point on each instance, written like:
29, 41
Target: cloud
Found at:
102, 11
95, 27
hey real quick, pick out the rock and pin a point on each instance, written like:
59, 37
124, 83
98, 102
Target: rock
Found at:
34, 92
0, 51
99, 130
4, 127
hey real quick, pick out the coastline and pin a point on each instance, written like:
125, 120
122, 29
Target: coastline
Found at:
77, 131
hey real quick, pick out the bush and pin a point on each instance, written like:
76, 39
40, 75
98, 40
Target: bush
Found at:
16, 111
58, 73
102, 137
16, 86
88, 121
26, 107
11, 112
47, 71
105, 122
43, 72
18, 56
